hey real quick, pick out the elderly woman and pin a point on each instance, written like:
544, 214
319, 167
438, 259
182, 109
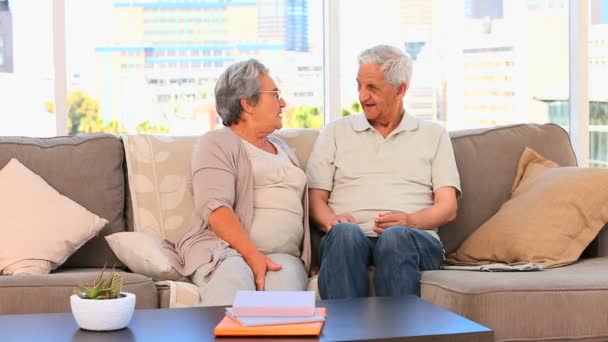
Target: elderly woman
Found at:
251, 208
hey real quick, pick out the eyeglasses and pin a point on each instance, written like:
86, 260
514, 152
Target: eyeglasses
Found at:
277, 94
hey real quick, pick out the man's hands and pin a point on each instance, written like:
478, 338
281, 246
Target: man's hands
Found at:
392, 218
335, 219
442, 211
320, 212
260, 264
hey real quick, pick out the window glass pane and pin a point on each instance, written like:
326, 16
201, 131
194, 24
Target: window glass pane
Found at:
476, 62
26, 68
151, 66
598, 74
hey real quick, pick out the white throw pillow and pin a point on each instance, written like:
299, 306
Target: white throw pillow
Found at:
40, 228
143, 254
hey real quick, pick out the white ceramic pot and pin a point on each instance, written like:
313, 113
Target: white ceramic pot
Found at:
103, 314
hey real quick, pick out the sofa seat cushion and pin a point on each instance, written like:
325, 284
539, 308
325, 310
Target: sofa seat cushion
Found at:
22, 294
563, 302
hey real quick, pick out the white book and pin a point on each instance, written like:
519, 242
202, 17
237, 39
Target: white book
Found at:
274, 303
253, 321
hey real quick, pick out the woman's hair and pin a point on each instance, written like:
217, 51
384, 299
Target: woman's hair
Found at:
394, 63
240, 80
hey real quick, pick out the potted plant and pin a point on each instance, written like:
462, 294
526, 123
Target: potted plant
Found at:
103, 305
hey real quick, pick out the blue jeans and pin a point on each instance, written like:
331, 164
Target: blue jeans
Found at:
399, 254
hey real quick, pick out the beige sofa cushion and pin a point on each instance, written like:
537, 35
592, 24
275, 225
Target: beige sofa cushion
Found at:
566, 303
160, 183
553, 214
88, 169
40, 228
24, 294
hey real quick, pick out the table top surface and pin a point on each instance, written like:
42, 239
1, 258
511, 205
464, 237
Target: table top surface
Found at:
374, 318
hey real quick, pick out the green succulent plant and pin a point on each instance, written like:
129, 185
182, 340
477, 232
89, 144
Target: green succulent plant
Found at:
101, 288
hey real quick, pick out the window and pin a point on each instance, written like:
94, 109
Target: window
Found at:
6, 38
598, 73
161, 41
26, 69
476, 62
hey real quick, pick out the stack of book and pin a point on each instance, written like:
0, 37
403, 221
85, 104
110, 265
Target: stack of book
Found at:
272, 313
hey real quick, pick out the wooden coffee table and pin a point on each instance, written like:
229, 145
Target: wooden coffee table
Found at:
375, 318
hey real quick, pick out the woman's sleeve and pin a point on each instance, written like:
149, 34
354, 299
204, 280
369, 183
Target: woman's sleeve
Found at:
213, 176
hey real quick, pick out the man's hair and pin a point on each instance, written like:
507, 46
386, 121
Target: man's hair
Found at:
394, 63
238, 81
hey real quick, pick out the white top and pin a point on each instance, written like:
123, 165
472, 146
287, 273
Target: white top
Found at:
368, 174
277, 202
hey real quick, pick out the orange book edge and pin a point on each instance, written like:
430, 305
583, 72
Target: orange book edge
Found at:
229, 327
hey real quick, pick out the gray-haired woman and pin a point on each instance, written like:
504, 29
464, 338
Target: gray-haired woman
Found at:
251, 207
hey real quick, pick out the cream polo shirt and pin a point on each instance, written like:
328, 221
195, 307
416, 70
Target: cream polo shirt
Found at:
367, 174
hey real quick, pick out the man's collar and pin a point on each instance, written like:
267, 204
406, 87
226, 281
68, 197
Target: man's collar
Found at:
360, 123
408, 123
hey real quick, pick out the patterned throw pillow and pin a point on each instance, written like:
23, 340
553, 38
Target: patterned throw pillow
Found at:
158, 169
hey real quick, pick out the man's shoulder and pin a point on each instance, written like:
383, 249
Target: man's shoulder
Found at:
431, 127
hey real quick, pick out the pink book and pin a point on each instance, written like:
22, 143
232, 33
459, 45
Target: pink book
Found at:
274, 303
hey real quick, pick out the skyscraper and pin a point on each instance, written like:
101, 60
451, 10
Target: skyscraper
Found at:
297, 25
6, 38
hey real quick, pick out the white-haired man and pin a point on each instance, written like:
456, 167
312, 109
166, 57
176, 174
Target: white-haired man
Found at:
380, 184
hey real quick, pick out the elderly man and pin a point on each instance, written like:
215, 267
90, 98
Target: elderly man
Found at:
380, 184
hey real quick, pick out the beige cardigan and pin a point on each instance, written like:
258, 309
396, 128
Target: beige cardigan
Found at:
222, 176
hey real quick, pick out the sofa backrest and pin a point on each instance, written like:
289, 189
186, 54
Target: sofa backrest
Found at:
161, 209
487, 162
301, 141
159, 184
87, 169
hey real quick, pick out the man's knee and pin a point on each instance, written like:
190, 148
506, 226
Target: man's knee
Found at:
396, 238
347, 234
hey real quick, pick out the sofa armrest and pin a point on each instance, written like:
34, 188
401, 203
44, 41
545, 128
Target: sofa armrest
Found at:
177, 294
164, 295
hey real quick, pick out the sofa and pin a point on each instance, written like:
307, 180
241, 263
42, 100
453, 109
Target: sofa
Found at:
564, 303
